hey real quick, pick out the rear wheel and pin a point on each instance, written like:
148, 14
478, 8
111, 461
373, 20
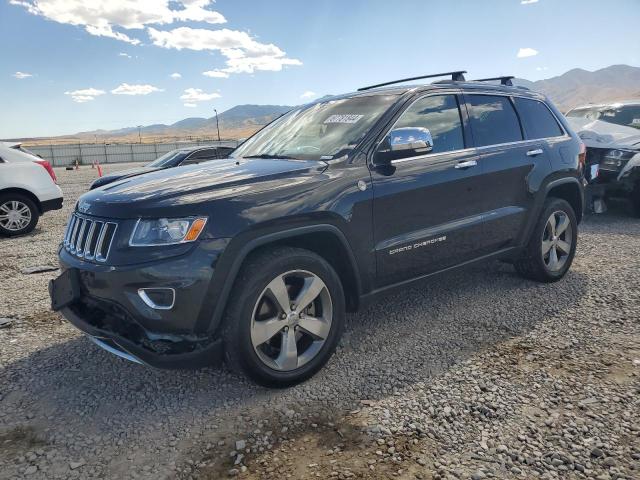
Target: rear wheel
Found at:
552, 246
285, 318
18, 214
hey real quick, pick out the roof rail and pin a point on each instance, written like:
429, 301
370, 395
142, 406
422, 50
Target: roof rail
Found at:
457, 76
506, 80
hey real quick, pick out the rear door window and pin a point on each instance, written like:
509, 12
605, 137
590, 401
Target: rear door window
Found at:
493, 120
537, 120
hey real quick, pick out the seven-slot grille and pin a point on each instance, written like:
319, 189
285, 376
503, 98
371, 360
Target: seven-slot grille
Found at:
88, 238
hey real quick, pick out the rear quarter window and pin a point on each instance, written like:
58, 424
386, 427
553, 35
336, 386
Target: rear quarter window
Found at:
537, 120
493, 120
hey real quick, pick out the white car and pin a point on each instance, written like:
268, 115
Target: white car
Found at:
27, 190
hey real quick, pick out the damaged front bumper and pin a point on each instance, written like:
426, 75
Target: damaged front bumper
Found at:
111, 329
117, 306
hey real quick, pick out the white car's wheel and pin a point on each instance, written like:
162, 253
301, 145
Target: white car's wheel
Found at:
18, 214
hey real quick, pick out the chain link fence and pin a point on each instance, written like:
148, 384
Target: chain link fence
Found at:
89, 153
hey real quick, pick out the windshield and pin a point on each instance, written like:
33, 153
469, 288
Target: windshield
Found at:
167, 158
626, 115
320, 131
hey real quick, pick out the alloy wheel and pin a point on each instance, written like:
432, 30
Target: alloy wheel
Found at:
557, 240
291, 320
14, 215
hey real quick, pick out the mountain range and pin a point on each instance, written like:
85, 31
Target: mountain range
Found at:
578, 87
573, 88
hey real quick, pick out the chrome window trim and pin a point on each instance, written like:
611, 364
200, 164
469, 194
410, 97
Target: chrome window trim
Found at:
433, 155
508, 144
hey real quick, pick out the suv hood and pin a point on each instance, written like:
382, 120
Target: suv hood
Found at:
599, 134
112, 177
183, 187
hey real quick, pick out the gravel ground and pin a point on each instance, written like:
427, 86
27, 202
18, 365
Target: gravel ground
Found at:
479, 374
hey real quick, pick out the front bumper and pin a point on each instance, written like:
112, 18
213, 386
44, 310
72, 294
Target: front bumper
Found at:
109, 308
132, 347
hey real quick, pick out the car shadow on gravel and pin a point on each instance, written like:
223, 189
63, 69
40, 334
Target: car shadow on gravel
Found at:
403, 338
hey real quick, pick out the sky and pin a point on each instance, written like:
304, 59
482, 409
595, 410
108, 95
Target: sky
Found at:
78, 65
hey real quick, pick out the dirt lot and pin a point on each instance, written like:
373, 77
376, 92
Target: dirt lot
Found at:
479, 374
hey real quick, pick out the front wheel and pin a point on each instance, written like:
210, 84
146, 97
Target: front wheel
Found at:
18, 214
550, 251
285, 317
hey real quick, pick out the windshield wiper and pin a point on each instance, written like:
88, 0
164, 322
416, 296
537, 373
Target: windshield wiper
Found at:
269, 156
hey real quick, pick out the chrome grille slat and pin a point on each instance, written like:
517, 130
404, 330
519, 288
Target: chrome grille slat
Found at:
89, 238
70, 225
78, 248
87, 242
72, 240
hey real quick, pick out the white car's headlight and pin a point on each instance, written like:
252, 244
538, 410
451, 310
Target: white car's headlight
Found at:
166, 231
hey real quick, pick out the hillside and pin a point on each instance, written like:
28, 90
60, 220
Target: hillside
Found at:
573, 88
239, 121
577, 87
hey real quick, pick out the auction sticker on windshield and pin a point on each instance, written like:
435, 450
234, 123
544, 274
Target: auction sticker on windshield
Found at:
346, 118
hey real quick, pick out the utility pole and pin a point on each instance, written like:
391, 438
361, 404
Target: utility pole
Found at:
139, 134
217, 124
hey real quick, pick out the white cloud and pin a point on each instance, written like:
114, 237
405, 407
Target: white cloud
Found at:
126, 89
85, 95
527, 52
542, 69
243, 53
122, 54
22, 75
308, 94
191, 105
194, 95
175, 76
215, 74
528, 2
102, 18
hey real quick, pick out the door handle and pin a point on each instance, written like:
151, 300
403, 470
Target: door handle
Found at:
466, 164
536, 152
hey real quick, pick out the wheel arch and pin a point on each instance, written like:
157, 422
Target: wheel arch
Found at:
568, 189
326, 240
26, 193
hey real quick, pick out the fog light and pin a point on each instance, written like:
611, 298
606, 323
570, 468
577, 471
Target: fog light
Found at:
158, 298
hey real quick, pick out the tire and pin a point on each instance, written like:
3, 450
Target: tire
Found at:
537, 265
26, 221
254, 313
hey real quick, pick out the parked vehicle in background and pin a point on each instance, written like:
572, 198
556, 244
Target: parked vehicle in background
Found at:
611, 133
174, 158
27, 190
18, 146
320, 212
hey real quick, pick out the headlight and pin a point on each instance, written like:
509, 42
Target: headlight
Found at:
617, 158
618, 155
166, 231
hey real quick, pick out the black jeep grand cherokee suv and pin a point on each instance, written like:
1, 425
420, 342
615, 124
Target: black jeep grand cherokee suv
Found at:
259, 256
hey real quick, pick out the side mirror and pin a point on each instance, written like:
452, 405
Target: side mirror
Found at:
414, 139
402, 143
